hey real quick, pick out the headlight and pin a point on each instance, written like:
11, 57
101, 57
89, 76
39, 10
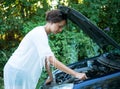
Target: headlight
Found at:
63, 86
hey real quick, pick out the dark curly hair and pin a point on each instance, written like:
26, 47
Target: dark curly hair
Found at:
55, 16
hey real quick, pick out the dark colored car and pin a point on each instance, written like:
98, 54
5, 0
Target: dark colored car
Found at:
103, 70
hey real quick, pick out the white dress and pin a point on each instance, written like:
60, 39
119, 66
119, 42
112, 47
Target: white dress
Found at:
24, 67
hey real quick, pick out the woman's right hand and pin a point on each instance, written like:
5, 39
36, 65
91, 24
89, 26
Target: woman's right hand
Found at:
81, 76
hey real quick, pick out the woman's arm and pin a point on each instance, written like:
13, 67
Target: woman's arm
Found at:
66, 69
48, 69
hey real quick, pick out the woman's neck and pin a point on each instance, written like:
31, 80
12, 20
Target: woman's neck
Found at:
47, 28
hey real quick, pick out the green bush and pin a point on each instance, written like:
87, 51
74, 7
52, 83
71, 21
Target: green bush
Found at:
72, 45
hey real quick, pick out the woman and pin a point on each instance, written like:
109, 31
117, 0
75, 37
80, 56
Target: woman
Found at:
24, 67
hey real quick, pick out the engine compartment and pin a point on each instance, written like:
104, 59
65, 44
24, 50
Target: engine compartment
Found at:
93, 68
100, 67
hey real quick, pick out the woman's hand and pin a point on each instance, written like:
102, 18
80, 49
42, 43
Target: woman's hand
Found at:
81, 76
48, 81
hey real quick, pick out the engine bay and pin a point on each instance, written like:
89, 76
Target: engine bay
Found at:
94, 68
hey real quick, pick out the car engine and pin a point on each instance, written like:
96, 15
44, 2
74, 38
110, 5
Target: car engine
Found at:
94, 67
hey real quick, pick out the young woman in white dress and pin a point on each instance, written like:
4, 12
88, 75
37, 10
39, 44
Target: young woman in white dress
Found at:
24, 67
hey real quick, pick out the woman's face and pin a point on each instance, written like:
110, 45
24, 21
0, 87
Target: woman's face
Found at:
57, 27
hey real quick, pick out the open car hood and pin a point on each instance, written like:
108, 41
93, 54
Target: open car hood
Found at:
95, 33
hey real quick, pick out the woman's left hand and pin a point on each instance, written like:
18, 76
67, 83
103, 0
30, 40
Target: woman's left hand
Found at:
48, 81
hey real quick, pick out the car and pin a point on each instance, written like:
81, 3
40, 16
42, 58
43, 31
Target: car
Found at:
103, 70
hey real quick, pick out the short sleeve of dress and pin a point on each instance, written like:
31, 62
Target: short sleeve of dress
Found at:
40, 40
